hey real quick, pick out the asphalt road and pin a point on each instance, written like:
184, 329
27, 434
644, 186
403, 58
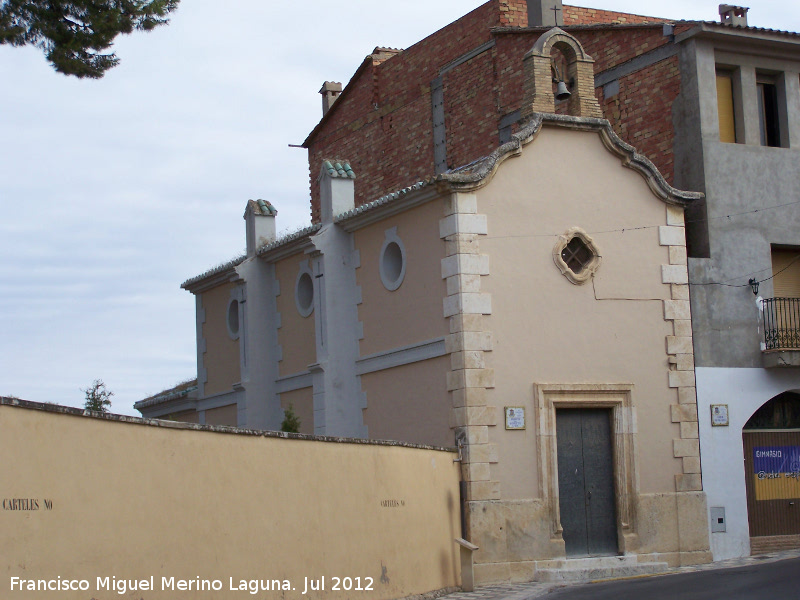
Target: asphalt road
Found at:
767, 581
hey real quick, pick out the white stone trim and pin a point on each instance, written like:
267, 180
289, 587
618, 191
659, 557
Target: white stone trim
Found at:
680, 352
463, 223
467, 303
674, 274
400, 356
295, 381
468, 379
671, 236
200, 319
460, 264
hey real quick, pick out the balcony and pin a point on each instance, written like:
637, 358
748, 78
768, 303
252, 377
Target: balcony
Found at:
781, 346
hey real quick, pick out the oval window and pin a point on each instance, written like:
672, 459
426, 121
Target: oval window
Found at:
392, 263
233, 318
304, 294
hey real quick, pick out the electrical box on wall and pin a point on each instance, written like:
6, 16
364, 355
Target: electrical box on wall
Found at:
717, 519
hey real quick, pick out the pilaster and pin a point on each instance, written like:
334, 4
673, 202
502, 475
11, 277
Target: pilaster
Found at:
680, 352
468, 378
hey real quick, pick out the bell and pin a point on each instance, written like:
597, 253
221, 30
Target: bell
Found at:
562, 93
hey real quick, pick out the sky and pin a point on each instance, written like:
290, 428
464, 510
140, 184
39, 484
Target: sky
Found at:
115, 191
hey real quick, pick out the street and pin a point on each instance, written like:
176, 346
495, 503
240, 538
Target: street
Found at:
778, 580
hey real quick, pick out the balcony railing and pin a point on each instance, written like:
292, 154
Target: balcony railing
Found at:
782, 323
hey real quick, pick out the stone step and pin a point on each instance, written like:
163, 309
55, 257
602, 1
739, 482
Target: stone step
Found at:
589, 569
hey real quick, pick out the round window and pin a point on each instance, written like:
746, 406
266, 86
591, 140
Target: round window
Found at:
304, 294
233, 318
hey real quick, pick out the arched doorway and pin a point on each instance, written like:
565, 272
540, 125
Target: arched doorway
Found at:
771, 440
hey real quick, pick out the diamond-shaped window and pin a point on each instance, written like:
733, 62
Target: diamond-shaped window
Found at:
576, 255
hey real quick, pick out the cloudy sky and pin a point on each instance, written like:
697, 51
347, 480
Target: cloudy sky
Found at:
113, 192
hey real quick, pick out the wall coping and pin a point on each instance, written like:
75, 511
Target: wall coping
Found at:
80, 412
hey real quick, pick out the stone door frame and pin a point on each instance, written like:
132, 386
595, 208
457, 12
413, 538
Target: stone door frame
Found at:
617, 397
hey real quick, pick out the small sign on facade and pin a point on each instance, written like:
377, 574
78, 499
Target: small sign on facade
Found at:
515, 417
719, 415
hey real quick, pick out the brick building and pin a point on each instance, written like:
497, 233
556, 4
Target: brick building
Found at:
326, 320
716, 106
557, 357
455, 95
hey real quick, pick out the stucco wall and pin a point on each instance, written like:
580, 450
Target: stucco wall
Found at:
188, 416
741, 179
221, 358
302, 402
296, 333
417, 413
608, 334
223, 415
132, 501
413, 312
549, 330
738, 179
744, 391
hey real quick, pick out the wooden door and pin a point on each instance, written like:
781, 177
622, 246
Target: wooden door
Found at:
586, 482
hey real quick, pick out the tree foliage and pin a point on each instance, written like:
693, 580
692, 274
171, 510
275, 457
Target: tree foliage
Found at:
98, 398
291, 422
74, 35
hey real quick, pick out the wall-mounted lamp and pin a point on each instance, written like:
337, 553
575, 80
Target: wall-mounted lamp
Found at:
753, 285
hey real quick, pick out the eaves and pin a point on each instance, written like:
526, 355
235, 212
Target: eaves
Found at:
224, 273
738, 35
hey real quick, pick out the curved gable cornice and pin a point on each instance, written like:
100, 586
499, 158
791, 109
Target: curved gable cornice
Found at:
477, 174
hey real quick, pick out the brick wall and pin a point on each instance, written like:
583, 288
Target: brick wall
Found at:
470, 110
383, 122
611, 47
641, 113
578, 15
513, 13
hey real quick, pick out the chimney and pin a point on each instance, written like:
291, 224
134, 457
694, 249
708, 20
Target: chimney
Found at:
735, 16
336, 189
259, 217
545, 13
330, 91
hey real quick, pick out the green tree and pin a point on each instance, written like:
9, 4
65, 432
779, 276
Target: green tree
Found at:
98, 398
291, 422
74, 34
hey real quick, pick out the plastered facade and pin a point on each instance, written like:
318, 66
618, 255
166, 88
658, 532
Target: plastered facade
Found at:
221, 356
302, 403
411, 412
409, 314
296, 333
528, 336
